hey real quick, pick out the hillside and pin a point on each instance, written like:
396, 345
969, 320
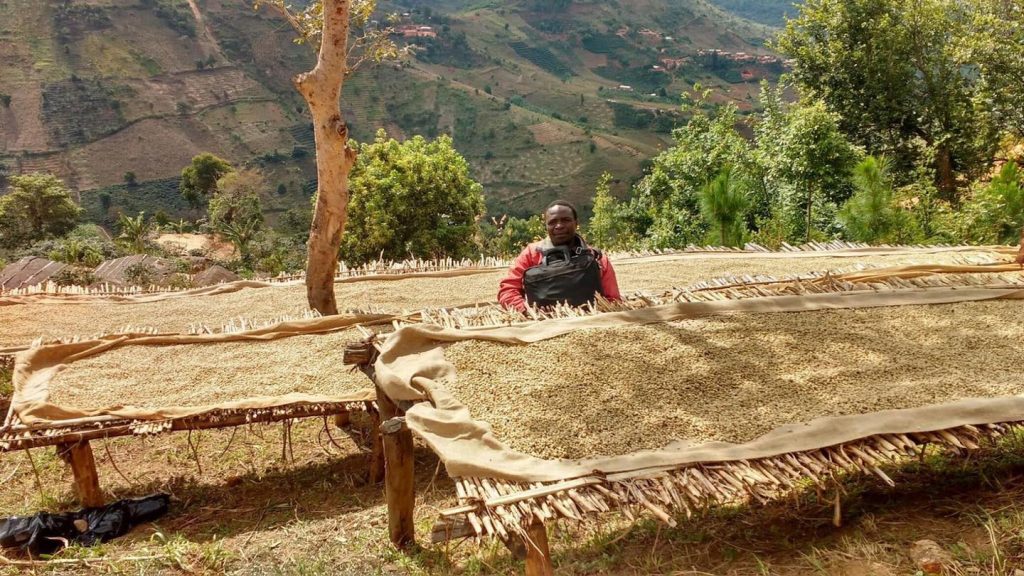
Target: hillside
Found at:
541, 97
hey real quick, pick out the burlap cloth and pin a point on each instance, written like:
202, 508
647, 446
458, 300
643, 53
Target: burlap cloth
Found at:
412, 366
35, 368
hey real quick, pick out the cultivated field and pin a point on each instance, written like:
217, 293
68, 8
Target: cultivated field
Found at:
291, 499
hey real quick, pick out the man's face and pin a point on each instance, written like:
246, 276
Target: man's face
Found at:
561, 225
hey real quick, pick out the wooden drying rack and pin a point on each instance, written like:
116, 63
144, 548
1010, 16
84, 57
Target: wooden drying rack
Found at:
399, 473
72, 438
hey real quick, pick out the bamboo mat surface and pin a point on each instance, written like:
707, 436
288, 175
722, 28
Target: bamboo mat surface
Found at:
25, 322
733, 378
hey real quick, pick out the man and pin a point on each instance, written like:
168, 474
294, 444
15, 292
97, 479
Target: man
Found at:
560, 268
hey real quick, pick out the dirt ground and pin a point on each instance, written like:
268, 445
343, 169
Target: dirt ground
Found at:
215, 247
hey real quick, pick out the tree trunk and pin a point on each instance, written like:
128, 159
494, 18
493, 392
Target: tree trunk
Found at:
946, 181
810, 198
321, 87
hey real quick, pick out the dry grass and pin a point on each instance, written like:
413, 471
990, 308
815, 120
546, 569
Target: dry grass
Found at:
201, 374
245, 510
733, 378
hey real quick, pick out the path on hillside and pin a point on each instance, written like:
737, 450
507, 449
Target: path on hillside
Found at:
205, 30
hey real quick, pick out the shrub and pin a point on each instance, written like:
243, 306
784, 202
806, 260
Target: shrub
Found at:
74, 276
139, 274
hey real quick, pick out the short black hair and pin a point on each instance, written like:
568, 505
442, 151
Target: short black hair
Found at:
565, 203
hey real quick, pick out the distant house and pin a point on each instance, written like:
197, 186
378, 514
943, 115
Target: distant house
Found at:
650, 35
657, 68
671, 63
747, 74
622, 32
625, 87
414, 31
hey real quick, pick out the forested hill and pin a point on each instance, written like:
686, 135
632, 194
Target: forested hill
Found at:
540, 96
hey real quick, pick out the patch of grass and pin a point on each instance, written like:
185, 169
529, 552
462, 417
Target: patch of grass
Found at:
6, 386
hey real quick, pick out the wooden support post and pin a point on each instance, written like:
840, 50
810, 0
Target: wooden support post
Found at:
376, 468
399, 486
343, 420
538, 554
83, 466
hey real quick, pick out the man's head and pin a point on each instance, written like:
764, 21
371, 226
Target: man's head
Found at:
561, 222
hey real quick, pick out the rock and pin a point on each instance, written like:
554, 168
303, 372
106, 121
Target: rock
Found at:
929, 557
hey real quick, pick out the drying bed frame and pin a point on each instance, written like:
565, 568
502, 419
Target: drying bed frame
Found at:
71, 431
516, 512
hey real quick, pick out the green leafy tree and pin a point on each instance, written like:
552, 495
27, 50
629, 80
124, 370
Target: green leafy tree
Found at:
75, 251
996, 46
241, 233
815, 158
507, 236
899, 73
237, 199
724, 202
38, 206
412, 198
868, 215
665, 207
199, 179
608, 227
996, 212
134, 232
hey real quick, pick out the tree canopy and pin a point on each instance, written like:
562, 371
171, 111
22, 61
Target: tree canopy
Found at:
921, 82
199, 179
412, 198
37, 207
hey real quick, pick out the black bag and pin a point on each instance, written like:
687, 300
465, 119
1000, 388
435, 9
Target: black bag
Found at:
567, 275
47, 533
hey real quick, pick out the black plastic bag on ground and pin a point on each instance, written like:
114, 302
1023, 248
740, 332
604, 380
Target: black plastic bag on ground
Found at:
46, 533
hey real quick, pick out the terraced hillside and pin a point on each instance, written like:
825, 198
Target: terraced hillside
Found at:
102, 88
540, 100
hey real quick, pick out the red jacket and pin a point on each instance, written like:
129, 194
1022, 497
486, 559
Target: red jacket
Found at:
510, 291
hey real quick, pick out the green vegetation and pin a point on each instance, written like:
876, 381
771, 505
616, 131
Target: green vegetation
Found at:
607, 227
603, 43
103, 205
79, 110
134, 232
911, 80
868, 216
543, 59
642, 79
37, 207
723, 203
236, 200
174, 13
635, 118
411, 199
199, 179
